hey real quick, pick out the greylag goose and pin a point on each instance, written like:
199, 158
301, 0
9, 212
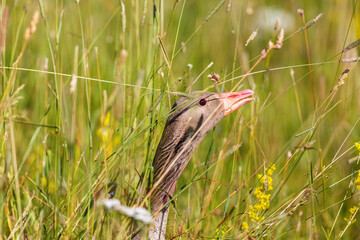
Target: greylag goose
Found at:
191, 119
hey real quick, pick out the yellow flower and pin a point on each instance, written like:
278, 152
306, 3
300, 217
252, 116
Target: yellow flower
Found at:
258, 192
271, 170
353, 209
244, 226
263, 199
350, 221
104, 131
266, 181
357, 145
357, 181
217, 232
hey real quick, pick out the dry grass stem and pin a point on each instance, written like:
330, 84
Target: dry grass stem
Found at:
4, 19
350, 60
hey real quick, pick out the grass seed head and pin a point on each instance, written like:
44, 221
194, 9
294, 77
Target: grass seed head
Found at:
215, 77
251, 37
300, 12
33, 24
280, 39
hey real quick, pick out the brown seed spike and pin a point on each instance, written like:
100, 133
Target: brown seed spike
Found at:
351, 46
310, 23
341, 81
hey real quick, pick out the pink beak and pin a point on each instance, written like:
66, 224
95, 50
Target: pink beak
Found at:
234, 100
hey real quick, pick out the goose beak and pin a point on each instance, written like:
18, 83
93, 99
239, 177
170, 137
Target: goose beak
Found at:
234, 100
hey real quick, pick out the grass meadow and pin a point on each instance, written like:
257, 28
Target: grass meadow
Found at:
86, 87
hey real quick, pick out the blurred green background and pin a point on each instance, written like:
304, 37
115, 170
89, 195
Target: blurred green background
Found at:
86, 87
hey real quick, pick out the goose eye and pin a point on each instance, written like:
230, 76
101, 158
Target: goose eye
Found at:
202, 102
